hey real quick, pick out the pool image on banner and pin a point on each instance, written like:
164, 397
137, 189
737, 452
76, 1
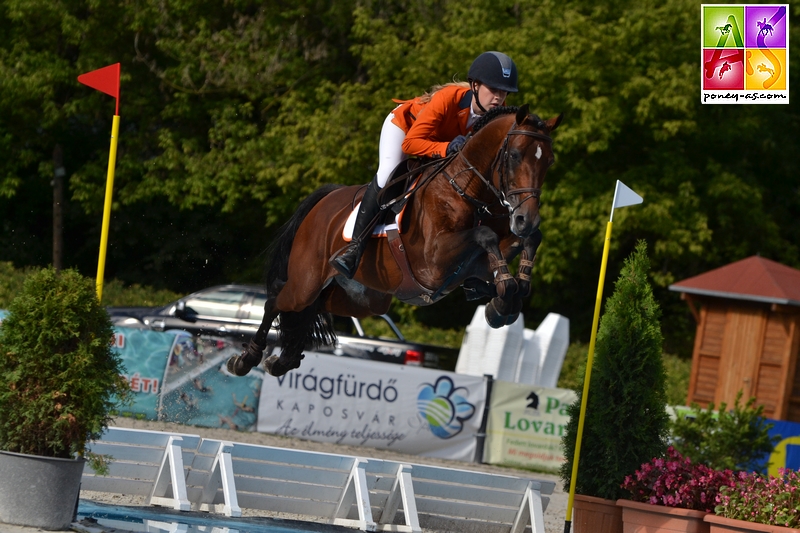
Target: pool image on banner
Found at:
178, 377
144, 354
199, 391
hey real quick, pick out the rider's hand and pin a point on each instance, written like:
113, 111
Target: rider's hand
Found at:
455, 145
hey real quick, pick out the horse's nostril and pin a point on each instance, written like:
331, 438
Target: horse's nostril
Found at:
521, 226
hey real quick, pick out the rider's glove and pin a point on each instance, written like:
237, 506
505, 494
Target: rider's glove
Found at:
455, 145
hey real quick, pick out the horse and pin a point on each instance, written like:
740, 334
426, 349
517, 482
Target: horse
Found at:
764, 27
763, 68
468, 215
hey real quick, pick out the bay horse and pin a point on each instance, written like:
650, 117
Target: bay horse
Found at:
469, 214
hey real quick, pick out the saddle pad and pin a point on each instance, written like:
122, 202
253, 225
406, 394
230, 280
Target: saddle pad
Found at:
380, 229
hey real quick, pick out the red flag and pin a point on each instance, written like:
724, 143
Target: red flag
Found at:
104, 79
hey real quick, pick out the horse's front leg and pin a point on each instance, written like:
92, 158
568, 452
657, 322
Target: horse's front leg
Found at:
504, 282
526, 260
482, 238
526, 249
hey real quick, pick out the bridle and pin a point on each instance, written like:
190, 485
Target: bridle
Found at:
500, 166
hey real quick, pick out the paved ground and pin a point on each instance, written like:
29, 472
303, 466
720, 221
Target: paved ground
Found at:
553, 516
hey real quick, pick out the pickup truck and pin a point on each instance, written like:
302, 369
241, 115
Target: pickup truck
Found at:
235, 312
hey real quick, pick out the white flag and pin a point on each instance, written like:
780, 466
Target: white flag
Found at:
624, 196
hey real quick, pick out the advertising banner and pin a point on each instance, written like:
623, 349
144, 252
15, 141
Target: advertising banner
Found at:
382, 405
178, 377
144, 356
525, 426
786, 453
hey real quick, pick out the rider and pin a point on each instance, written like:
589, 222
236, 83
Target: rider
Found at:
431, 125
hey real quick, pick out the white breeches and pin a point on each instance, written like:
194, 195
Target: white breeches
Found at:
391, 150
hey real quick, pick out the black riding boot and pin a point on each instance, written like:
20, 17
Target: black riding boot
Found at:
348, 259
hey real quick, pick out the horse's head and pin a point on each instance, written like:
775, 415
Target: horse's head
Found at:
520, 168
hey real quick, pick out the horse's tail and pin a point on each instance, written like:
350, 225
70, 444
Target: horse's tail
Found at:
309, 327
278, 251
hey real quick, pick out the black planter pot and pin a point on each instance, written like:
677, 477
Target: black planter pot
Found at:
39, 491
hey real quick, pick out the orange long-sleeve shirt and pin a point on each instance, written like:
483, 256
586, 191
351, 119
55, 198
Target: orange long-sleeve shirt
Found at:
431, 126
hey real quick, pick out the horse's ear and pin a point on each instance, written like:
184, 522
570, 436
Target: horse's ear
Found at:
554, 122
522, 114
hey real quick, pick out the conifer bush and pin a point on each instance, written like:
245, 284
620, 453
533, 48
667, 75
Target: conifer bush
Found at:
59, 377
626, 420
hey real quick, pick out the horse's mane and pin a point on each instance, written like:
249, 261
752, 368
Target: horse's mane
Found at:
503, 110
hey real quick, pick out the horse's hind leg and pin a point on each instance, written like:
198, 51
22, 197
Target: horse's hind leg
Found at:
254, 351
298, 331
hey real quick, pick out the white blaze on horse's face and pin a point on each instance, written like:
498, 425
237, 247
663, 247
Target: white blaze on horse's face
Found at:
524, 214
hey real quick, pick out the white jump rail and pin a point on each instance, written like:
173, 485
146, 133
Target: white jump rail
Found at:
408, 497
368, 494
188, 472
225, 477
145, 463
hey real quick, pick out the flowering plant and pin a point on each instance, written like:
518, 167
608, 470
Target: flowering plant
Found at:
762, 499
675, 482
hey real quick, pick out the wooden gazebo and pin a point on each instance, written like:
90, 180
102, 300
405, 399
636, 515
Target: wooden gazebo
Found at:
748, 335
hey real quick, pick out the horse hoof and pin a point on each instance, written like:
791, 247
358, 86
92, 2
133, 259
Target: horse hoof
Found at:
274, 367
268, 363
237, 366
510, 319
493, 317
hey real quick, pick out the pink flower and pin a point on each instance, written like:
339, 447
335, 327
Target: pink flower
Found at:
675, 482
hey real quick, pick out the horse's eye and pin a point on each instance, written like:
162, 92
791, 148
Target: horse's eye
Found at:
514, 156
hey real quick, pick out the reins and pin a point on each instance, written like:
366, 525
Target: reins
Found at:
498, 165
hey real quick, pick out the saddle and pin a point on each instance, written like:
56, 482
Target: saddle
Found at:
404, 182
401, 185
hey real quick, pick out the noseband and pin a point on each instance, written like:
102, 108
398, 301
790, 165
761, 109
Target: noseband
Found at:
499, 165
535, 192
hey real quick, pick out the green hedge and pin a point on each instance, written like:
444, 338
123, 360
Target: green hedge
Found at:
115, 293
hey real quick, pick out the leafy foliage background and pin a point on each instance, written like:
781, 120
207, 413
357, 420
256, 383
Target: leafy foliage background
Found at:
231, 112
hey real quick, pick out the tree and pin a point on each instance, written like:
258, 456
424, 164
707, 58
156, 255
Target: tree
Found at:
232, 112
626, 419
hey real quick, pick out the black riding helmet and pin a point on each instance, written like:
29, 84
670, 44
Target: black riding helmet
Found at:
496, 70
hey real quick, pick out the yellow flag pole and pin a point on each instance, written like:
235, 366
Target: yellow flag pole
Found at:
587, 379
623, 196
112, 159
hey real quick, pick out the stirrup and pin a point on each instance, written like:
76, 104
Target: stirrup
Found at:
339, 260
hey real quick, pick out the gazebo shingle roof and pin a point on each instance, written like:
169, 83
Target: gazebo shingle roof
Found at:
754, 278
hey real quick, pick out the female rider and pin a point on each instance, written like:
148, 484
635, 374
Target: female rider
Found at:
431, 125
